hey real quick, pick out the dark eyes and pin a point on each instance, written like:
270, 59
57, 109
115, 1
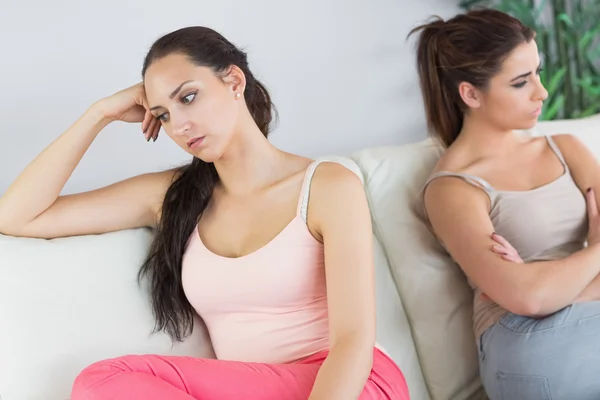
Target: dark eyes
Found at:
521, 84
187, 99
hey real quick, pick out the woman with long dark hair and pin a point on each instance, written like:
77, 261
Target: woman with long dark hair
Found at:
271, 249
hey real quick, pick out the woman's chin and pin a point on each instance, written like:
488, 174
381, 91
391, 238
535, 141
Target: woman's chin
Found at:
528, 124
206, 155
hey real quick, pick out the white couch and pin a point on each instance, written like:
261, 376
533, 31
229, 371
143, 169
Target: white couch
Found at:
66, 303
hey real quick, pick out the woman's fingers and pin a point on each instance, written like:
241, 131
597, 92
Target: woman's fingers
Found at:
502, 241
505, 250
512, 258
146, 122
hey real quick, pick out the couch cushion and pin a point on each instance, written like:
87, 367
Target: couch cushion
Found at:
72, 301
433, 289
586, 129
582, 126
393, 330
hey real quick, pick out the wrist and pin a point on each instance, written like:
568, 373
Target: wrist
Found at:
97, 114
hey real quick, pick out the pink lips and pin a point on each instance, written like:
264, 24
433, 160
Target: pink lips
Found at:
537, 112
195, 142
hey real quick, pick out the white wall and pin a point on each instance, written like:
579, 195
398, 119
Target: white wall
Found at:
340, 72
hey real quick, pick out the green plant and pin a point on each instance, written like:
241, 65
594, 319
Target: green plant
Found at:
568, 37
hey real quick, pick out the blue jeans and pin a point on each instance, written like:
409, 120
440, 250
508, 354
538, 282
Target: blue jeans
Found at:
556, 357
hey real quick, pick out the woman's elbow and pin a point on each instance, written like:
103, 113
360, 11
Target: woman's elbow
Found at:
533, 303
527, 308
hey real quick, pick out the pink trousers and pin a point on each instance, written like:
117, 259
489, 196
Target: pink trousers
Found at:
153, 377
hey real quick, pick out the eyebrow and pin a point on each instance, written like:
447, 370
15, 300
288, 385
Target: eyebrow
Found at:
525, 74
173, 94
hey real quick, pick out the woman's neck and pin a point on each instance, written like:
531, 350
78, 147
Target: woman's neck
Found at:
250, 162
485, 138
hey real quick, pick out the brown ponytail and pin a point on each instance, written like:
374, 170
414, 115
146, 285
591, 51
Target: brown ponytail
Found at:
469, 48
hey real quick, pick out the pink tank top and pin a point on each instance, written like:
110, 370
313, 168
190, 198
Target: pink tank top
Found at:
268, 306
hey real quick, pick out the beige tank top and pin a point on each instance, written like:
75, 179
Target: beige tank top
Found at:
542, 224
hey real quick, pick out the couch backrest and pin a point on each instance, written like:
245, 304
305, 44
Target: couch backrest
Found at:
433, 290
69, 302
586, 129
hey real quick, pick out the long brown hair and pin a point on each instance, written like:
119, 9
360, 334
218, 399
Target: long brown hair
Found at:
469, 47
189, 194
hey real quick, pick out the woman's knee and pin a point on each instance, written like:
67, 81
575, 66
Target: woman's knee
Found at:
95, 374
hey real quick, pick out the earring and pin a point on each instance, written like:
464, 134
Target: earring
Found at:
237, 95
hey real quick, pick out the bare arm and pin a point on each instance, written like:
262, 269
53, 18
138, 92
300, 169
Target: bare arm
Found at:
340, 214
584, 166
32, 206
459, 215
585, 170
505, 250
590, 293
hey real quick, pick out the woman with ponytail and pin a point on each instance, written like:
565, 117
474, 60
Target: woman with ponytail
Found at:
272, 250
518, 213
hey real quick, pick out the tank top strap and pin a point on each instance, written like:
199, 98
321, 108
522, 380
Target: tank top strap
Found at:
305, 191
556, 151
310, 172
472, 179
